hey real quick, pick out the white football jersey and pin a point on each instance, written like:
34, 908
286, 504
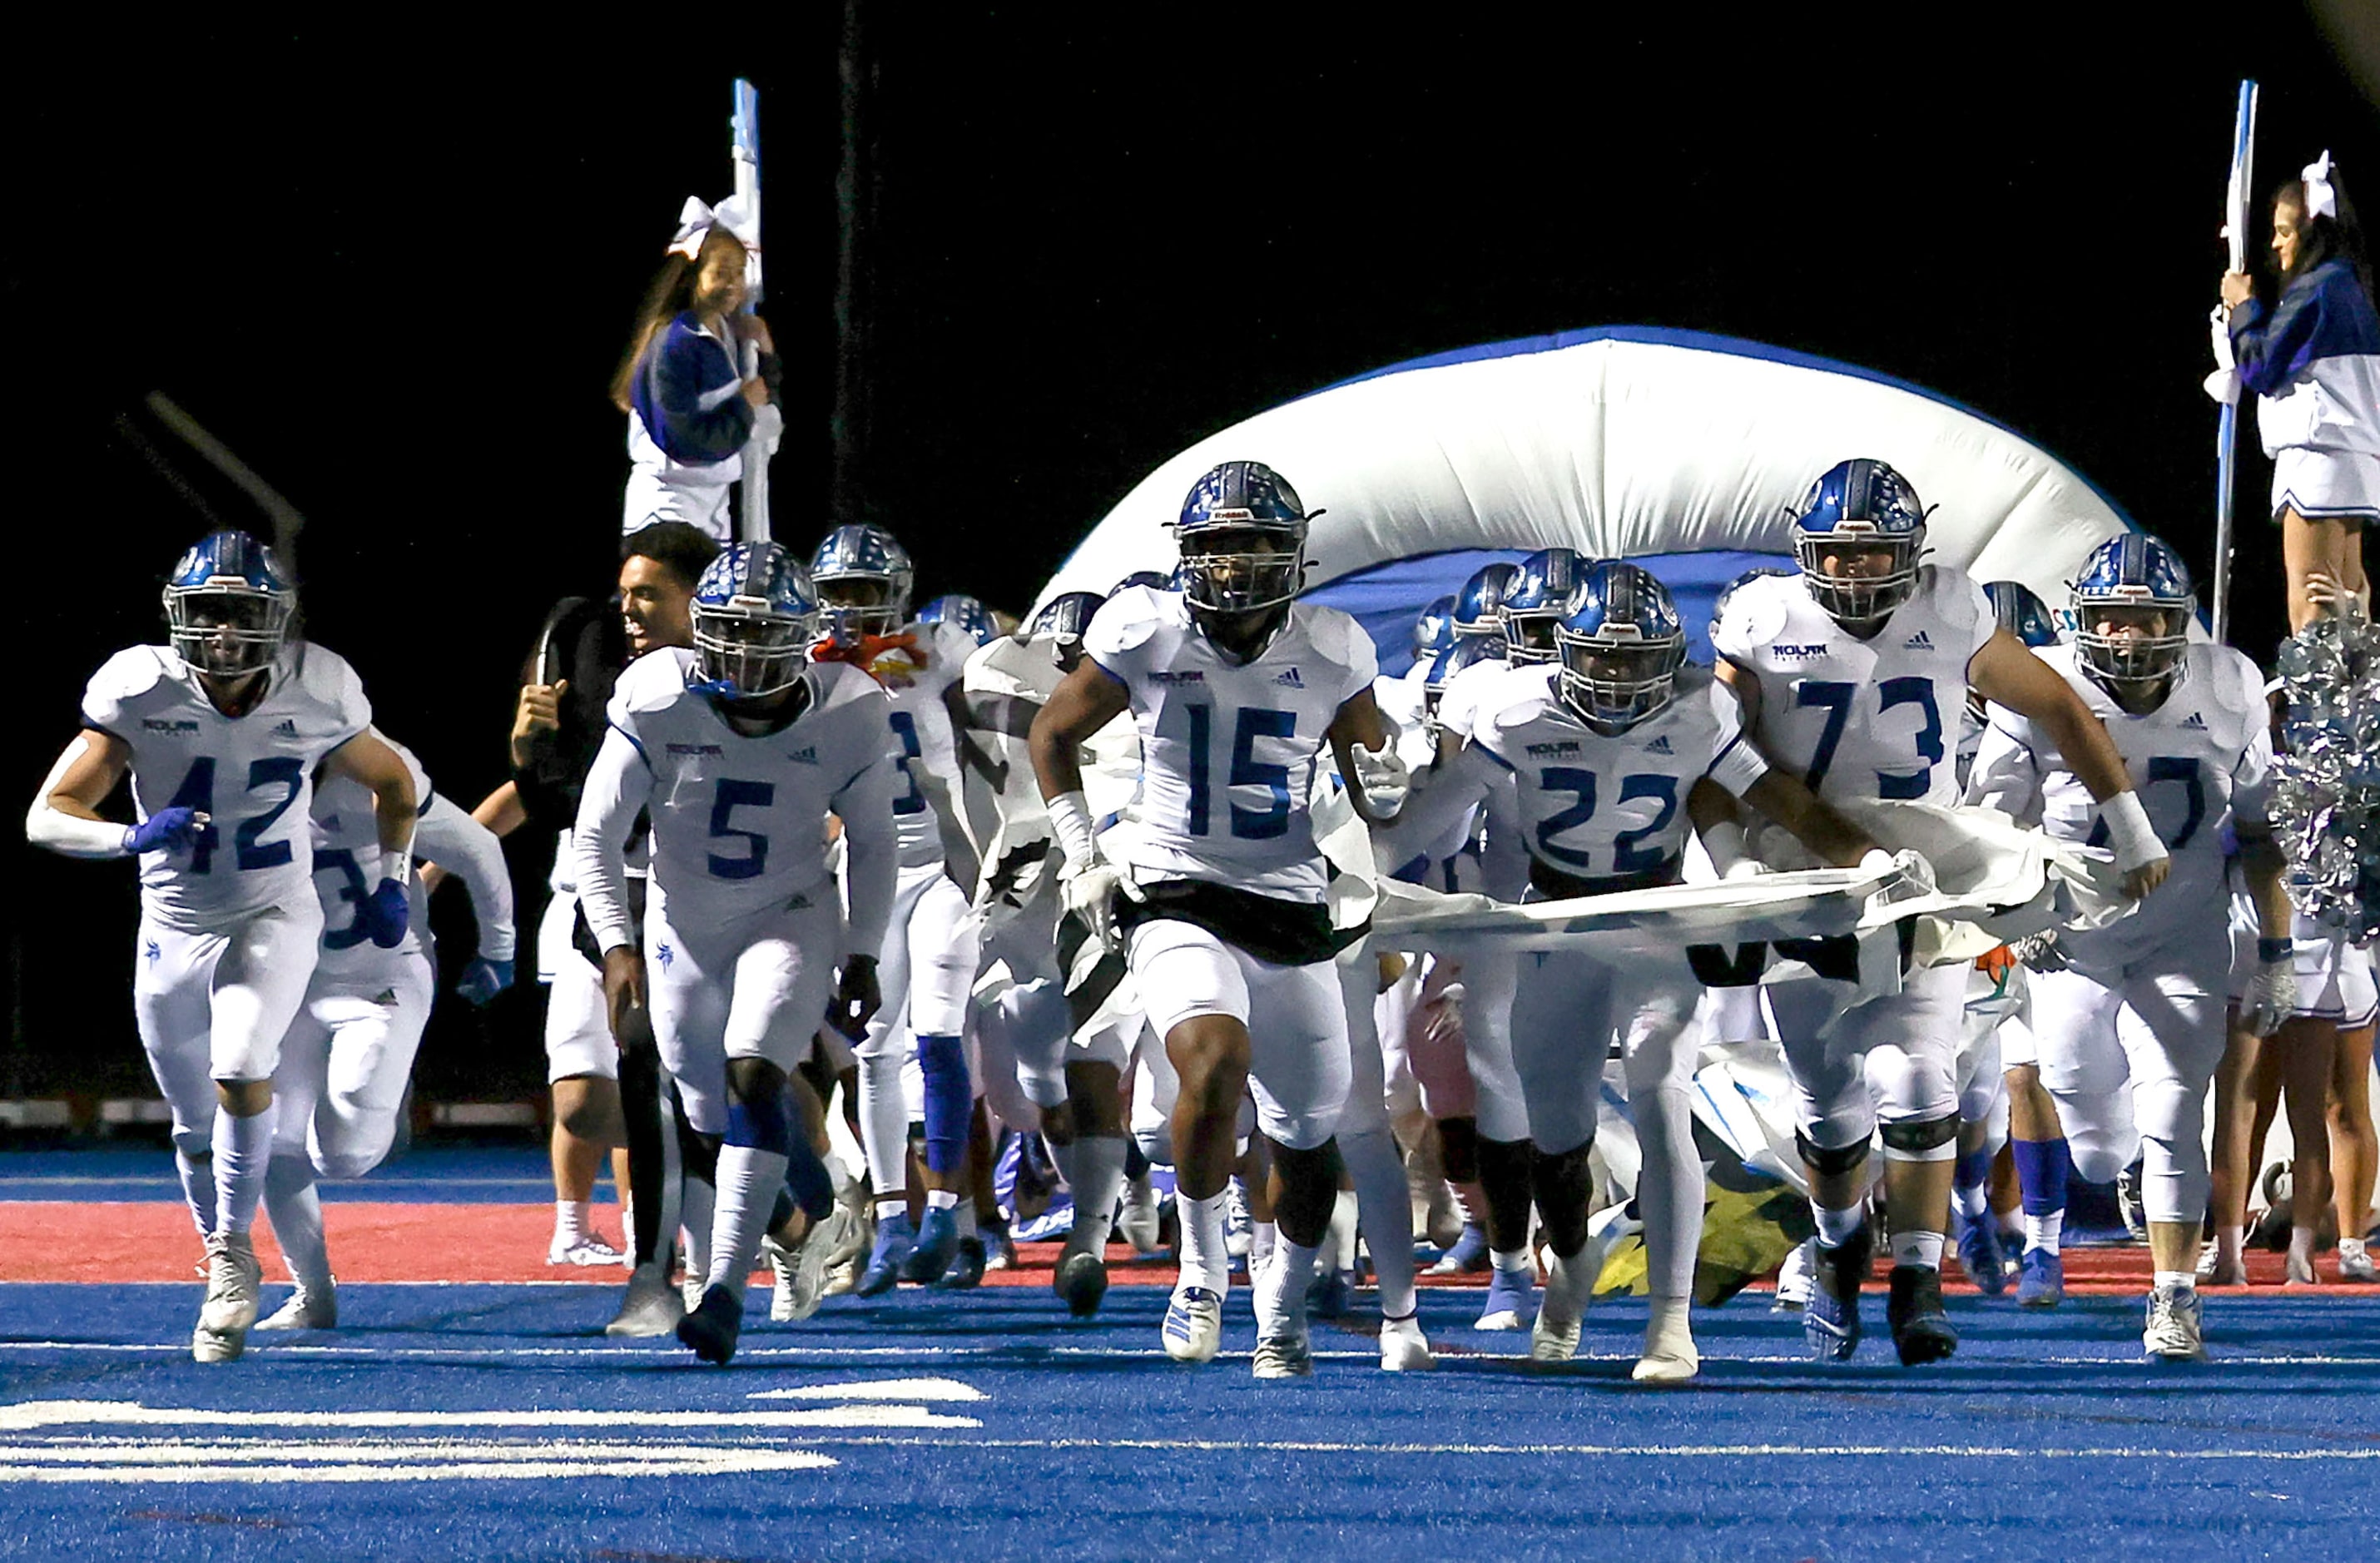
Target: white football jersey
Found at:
253, 774
2198, 760
1006, 684
739, 822
1458, 703
1860, 718
347, 862
1595, 806
1230, 750
921, 730
1405, 702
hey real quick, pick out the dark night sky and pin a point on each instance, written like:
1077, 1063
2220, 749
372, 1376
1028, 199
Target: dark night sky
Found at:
393, 273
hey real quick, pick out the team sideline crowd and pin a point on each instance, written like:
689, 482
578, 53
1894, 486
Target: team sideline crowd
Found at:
1103, 881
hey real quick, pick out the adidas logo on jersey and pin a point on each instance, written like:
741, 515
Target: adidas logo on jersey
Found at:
2193, 722
1290, 679
1660, 746
1917, 642
806, 755
286, 728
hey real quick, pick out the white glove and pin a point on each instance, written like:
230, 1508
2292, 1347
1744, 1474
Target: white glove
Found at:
2272, 993
1383, 777
1089, 891
2040, 951
1746, 868
1917, 874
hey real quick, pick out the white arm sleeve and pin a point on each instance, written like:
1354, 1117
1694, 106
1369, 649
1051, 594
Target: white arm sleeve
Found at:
469, 851
871, 853
67, 834
1505, 859
618, 784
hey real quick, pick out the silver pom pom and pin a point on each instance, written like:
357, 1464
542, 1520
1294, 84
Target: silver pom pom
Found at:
2325, 794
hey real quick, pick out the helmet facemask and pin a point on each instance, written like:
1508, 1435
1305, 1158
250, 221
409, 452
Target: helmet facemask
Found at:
749, 651
861, 602
1615, 679
1871, 594
1530, 635
227, 627
1233, 563
2145, 648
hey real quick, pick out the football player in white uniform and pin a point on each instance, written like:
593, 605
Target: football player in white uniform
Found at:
1852, 673
350, 1053
222, 730
863, 577
2129, 1019
1600, 762
740, 749
1075, 1081
1221, 901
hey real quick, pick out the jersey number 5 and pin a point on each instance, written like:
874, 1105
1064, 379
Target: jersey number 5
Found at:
730, 796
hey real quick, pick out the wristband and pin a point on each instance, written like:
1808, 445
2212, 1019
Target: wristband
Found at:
2272, 951
2128, 831
1724, 843
1070, 821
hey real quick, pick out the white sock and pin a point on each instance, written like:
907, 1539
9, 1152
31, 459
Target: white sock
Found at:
1338, 1250
1278, 1288
243, 1150
1668, 1328
1670, 1189
197, 1186
1971, 1203
1264, 1237
2300, 1238
748, 1180
1517, 1264
892, 1205
1205, 1260
2179, 1281
1921, 1248
1835, 1227
296, 1211
571, 1218
697, 1206
2229, 1241
1386, 1215
2042, 1232
1098, 1164
2351, 1248
941, 1199
884, 1123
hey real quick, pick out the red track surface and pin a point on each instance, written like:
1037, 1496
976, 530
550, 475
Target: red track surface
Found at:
153, 1241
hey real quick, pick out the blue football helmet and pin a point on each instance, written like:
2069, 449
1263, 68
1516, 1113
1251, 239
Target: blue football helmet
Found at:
1542, 595
1479, 606
2143, 583
755, 616
1155, 580
1468, 651
227, 606
963, 613
2021, 613
1242, 534
1620, 648
1434, 631
1061, 622
862, 575
1859, 508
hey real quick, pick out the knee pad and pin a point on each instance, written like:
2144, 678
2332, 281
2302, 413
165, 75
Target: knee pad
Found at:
1926, 1139
764, 1124
1831, 1163
950, 1101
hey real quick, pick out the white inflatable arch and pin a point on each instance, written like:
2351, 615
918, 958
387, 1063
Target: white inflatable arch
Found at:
1680, 450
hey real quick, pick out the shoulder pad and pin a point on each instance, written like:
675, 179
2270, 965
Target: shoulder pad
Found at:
1755, 612
132, 672
320, 672
1126, 619
653, 681
2233, 682
1957, 595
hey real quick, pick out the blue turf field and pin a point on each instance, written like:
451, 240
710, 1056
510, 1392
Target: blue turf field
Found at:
493, 1422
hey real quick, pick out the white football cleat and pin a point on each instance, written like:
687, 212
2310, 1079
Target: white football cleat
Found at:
1139, 1222
1403, 1348
802, 1269
1669, 1356
1794, 1278
1193, 1329
585, 1249
233, 1278
652, 1306
2174, 1333
306, 1309
1284, 1356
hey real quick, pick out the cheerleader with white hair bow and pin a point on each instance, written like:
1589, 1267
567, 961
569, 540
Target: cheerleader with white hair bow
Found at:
700, 376
2313, 362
